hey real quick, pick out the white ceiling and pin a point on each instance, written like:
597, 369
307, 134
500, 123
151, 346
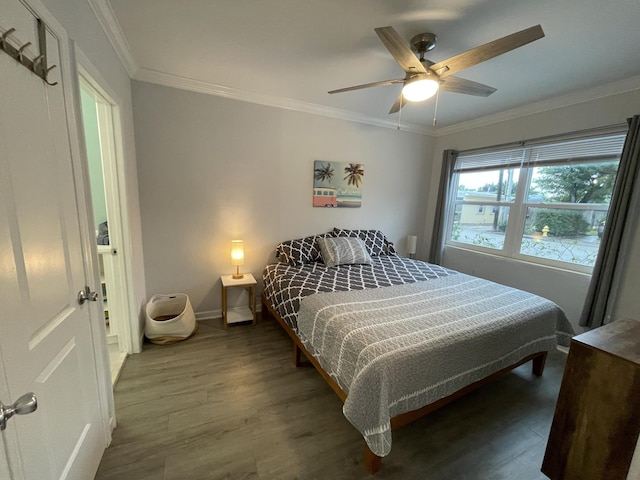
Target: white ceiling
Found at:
291, 52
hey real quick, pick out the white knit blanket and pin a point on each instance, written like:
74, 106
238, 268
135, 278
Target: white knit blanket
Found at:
395, 349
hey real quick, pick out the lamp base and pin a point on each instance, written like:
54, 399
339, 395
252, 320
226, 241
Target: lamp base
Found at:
237, 276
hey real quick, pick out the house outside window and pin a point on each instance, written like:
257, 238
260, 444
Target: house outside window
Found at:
544, 202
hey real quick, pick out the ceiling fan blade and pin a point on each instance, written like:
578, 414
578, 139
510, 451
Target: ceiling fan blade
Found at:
400, 50
487, 51
398, 104
468, 87
367, 85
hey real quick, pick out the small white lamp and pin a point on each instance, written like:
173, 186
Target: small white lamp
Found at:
412, 242
237, 257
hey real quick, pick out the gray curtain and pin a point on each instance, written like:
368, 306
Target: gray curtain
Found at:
437, 237
616, 239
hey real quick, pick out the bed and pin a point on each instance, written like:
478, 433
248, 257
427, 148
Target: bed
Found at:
397, 338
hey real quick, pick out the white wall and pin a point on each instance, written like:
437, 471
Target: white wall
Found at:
213, 169
84, 29
565, 288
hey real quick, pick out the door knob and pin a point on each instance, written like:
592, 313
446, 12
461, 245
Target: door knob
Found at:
26, 404
87, 295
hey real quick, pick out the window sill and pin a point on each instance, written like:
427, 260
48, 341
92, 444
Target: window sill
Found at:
450, 250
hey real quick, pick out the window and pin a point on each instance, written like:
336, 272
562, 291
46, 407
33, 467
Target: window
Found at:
544, 202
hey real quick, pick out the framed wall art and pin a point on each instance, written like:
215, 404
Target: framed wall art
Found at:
337, 184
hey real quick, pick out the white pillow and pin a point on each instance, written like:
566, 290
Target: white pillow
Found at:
343, 251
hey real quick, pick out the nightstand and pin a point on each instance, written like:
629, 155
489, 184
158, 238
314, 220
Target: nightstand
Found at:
239, 314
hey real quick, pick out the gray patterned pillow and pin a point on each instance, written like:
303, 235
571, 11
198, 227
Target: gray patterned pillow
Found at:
343, 251
300, 251
376, 242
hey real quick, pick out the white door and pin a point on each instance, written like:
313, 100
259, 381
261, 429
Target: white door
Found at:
46, 342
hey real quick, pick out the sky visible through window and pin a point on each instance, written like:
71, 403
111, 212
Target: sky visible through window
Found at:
474, 181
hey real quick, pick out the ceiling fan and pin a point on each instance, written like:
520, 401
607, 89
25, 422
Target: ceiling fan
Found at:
423, 78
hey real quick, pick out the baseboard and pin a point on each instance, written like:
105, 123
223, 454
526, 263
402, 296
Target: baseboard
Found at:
208, 315
217, 314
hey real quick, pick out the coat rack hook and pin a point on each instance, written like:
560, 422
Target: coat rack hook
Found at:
46, 75
21, 49
6, 34
39, 64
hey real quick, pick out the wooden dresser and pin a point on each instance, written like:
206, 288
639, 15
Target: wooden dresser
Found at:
597, 418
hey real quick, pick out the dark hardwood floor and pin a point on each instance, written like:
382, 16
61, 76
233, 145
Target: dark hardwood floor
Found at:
231, 405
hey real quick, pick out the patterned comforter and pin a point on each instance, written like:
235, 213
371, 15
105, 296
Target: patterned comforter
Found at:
285, 285
430, 332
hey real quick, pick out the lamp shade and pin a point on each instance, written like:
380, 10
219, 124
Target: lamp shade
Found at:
237, 252
420, 89
412, 242
237, 257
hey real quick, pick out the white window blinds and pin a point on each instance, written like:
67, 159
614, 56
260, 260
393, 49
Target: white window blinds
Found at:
601, 148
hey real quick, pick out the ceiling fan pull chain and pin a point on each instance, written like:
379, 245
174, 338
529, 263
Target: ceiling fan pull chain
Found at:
435, 111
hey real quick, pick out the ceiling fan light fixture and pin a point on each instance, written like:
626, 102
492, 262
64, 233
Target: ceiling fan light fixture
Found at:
420, 89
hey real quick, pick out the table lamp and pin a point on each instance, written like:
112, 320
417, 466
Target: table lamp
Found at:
237, 257
412, 242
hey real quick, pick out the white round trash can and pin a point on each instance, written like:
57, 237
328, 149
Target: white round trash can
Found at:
169, 319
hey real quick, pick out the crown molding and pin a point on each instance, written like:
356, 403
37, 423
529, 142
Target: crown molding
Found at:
103, 12
594, 93
184, 83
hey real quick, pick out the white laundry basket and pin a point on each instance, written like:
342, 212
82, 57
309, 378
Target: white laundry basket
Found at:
170, 319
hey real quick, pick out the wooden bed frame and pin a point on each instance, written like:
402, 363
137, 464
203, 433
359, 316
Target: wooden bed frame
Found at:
372, 462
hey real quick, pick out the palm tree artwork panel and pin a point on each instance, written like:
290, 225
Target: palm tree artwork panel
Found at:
337, 184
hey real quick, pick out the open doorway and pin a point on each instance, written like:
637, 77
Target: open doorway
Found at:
100, 139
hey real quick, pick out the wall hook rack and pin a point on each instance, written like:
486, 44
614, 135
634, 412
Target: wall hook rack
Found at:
38, 65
